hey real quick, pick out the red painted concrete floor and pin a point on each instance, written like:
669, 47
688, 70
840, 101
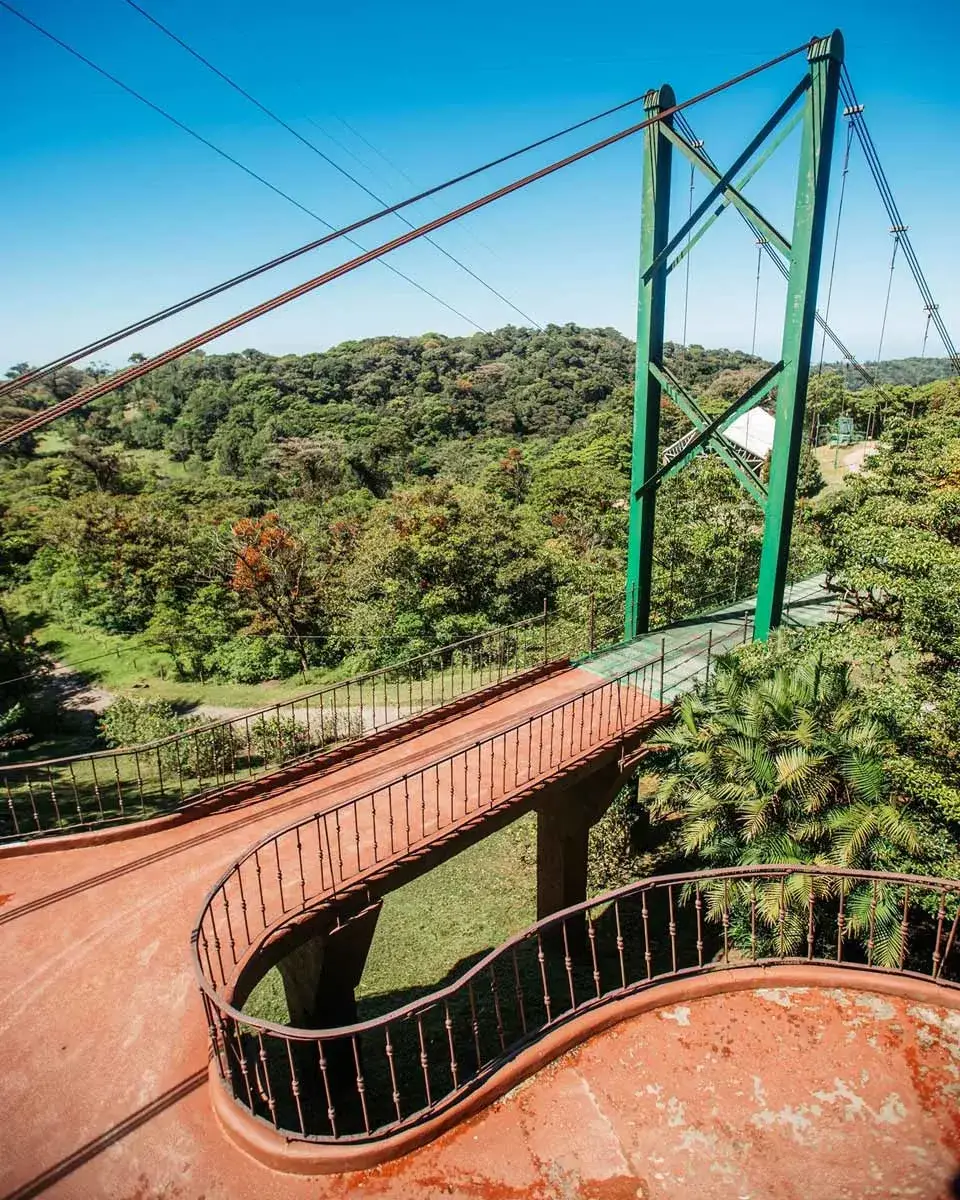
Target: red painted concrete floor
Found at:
103, 1044
103, 1055
787, 1093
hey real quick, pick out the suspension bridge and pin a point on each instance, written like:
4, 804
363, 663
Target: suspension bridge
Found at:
146, 891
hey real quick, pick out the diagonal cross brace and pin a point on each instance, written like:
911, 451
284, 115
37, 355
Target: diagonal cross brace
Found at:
731, 193
725, 181
711, 429
741, 183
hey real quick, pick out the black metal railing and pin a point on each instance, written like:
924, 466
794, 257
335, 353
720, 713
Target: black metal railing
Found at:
112, 787
299, 1081
373, 1078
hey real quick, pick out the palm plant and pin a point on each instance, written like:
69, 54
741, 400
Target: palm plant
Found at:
788, 769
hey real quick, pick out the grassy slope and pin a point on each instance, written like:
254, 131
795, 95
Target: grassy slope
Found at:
458, 911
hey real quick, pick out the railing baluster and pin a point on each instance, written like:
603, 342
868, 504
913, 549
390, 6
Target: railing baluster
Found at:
840, 924
519, 991
361, 1085
810, 930
647, 954
592, 938
494, 987
568, 964
453, 1055
698, 905
904, 926
620, 944
424, 1062
871, 940
324, 1075
394, 1090
543, 978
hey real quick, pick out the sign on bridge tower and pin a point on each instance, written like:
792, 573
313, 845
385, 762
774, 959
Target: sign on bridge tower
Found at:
812, 104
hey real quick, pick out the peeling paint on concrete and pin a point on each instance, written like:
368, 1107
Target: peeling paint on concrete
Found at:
782, 996
680, 1014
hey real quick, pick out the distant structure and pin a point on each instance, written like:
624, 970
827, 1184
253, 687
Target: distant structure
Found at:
749, 437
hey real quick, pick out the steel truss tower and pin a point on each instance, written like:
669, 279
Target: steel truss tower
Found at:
813, 104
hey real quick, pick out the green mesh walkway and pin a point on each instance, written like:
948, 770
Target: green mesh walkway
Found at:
692, 645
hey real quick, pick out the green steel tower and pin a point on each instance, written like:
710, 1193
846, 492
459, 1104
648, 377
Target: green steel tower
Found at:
812, 104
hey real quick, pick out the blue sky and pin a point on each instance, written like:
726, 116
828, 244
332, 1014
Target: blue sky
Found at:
109, 212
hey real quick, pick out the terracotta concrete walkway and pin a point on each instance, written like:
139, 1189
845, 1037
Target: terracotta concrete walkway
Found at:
103, 1043
103, 1047
783, 1094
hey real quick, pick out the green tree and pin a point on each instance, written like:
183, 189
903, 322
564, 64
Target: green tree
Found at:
788, 769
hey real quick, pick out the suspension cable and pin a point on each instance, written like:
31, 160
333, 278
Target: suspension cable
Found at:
221, 152
164, 29
137, 370
896, 220
174, 309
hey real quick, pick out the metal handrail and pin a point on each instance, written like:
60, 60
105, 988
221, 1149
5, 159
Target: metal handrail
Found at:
645, 682
252, 714
59, 795
406, 1065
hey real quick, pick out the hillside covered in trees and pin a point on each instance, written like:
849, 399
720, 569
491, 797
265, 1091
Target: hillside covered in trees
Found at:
247, 517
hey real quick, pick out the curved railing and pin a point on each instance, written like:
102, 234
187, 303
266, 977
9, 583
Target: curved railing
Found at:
294, 1079
114, 787
365, 1081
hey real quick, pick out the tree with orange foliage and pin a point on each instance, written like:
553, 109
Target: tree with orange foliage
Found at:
270, 569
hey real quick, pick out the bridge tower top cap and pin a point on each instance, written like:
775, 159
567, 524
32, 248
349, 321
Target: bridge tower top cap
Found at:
830, 46
659, 98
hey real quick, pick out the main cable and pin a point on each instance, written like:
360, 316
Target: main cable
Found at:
893, 212
316, 150
136, 371
218, 150
216, 290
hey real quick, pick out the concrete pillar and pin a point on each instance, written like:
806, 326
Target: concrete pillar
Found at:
562, 840
320, 978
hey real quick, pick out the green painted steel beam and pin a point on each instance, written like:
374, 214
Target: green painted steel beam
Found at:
741, 183
816, 152
731, 194
726, 178
651, 306
689, 407
709, 433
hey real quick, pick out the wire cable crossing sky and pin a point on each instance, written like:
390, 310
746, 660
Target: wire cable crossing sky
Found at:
109, 205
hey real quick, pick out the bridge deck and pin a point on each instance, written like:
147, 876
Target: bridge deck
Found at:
102, 1034
807, 603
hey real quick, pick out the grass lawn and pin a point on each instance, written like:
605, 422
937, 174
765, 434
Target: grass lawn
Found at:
125, 665
456, 912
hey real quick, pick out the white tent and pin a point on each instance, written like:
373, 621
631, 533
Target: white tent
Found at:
753, 432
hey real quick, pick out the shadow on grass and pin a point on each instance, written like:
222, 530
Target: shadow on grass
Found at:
399, 1069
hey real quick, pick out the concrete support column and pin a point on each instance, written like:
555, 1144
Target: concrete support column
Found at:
320, 979
562, 839
320, 976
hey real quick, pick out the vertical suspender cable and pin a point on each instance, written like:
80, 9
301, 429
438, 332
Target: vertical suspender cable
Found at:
896, 231
836, 239
686, 281
761, 242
